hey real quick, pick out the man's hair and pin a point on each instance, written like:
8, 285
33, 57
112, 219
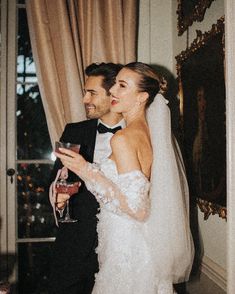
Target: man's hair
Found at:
108, 71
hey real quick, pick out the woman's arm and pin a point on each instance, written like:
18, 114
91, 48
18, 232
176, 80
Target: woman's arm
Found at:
129, 194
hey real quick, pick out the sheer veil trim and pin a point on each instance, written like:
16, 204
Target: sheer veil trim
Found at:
168, 227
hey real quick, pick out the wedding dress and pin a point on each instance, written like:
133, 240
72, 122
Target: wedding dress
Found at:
124, 258
143, 254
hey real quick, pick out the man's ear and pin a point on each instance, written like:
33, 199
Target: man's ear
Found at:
143, 97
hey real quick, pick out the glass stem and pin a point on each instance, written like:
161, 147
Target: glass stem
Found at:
67, 216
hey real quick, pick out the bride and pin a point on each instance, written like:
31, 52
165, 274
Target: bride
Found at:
145, 243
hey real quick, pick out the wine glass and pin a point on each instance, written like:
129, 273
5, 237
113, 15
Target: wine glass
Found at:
62, 185
70, 146
70, 188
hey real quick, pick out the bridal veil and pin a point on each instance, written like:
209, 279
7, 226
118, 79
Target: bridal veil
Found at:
168, 228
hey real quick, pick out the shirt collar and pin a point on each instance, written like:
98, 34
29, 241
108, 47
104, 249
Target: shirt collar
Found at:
121, 123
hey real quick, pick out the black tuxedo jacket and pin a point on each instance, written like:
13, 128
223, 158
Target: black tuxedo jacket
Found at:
73, 256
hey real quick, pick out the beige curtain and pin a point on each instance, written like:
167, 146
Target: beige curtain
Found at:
66, 36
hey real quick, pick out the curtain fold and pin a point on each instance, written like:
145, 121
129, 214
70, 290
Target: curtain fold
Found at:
68, 35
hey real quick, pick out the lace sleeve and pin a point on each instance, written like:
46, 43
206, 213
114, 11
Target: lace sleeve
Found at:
129, 193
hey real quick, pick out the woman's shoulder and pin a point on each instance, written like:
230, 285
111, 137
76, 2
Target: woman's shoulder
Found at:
123, 152
129, 135
121, 137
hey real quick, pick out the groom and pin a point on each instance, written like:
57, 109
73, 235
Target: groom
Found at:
74, 261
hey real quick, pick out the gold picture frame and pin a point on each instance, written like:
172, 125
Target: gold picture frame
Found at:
190, 11
200, 70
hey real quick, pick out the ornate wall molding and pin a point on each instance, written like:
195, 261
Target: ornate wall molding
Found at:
186, 18
199, 42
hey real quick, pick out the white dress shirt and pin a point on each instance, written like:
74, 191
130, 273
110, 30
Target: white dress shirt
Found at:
102, 143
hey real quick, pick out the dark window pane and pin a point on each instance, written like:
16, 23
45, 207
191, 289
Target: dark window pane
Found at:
21, 1
33, 141
25, 65
34, 267
35, 216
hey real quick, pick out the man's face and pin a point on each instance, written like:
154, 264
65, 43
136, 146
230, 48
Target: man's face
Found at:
96, 100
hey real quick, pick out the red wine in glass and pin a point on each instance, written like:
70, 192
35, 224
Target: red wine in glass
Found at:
70, 188
64, 187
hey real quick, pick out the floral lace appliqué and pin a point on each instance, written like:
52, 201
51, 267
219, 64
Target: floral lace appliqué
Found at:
122, 194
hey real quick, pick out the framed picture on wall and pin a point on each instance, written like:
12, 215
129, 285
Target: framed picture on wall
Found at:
189, 11
202, 92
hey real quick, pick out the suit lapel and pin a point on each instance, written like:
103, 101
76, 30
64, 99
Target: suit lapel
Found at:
88, 146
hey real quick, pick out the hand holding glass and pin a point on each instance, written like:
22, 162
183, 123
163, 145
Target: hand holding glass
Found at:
64, 187
70, 146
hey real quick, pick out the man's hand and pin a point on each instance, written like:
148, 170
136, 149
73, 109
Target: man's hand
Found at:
61, 200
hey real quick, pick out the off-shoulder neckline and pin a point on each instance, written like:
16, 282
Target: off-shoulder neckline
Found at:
136, 171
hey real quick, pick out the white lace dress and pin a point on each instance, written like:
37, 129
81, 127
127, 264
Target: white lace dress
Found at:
122, 250
123, 253
137, 254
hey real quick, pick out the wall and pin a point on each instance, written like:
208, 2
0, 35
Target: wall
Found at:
159, 43
155, 46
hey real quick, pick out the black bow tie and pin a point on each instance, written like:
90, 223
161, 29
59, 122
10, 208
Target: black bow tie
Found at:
103, 129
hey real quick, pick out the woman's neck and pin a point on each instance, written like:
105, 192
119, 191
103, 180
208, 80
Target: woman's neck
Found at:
134, 115
111, 118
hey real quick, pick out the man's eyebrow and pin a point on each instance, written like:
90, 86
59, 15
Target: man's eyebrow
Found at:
122, 81
90, 91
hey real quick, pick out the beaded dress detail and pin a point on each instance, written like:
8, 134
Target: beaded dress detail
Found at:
123, 251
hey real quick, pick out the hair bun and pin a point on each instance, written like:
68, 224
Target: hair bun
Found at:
163, 85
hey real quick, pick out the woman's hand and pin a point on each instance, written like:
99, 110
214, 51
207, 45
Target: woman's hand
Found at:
72, 160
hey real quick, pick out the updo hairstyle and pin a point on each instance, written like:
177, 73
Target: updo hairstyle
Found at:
150, 81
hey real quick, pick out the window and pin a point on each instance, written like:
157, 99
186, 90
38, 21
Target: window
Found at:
28, 147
